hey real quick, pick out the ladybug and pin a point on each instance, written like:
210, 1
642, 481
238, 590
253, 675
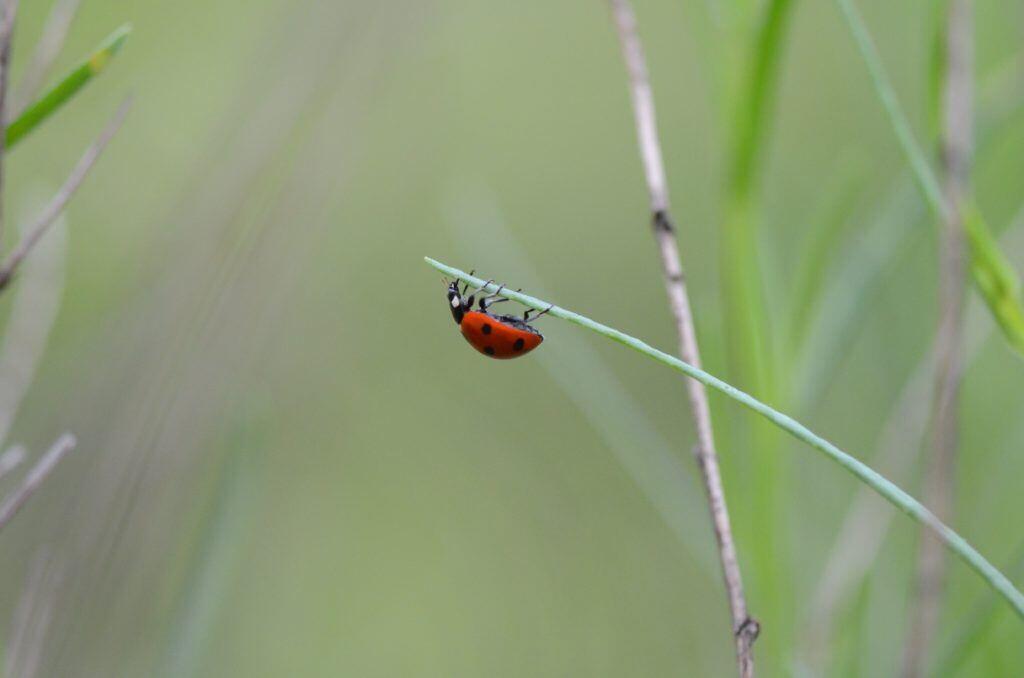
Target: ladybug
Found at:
496, 336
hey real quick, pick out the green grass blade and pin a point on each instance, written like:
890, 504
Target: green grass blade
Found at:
753, 114
995, 278
993, 275
749, 331
826, 230
746, 316
923, 174
63, 91
888, 490
936, 68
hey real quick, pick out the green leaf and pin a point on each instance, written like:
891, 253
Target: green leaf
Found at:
995, 277
62, 92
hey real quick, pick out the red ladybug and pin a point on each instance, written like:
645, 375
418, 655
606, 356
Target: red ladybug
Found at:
496, 336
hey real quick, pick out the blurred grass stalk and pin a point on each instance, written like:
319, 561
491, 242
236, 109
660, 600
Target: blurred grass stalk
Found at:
866, 524
13, 502
747, 323
991, 271
899, 498
212, 566
956, 141
857, 543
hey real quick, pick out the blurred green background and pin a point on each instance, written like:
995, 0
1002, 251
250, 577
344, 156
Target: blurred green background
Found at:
291, 464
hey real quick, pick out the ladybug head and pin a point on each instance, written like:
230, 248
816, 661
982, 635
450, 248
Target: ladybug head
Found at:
456, 303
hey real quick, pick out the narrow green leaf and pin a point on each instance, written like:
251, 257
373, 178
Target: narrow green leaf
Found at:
883, 486
995, 278
56, 97
826, 228
749, 327
923, 174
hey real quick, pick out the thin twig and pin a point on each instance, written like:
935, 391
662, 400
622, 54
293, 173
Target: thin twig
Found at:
8, 11
14, 501
956, 143
744, 628
55, 32
60, 200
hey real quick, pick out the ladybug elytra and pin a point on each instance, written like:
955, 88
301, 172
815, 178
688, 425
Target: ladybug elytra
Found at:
496, 336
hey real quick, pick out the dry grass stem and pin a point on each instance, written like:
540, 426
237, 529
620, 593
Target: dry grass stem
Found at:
744, 628
35, 477
956, 145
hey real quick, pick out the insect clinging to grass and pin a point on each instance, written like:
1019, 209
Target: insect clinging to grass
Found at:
496, 336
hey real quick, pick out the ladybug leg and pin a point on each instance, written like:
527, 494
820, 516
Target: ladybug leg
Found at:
477, 290
526, 315
466, 288
486, 301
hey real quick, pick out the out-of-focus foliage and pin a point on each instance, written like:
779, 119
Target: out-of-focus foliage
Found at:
289, 463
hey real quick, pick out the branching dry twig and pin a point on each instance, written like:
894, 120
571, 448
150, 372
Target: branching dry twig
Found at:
48, 48
60, 200
14, 501
956, 144
745, 629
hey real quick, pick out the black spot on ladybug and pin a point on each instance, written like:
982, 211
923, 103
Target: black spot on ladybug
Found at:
518, 346
489, 350
486, 328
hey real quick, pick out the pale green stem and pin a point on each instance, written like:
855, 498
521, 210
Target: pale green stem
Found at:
923, 174
896, 496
